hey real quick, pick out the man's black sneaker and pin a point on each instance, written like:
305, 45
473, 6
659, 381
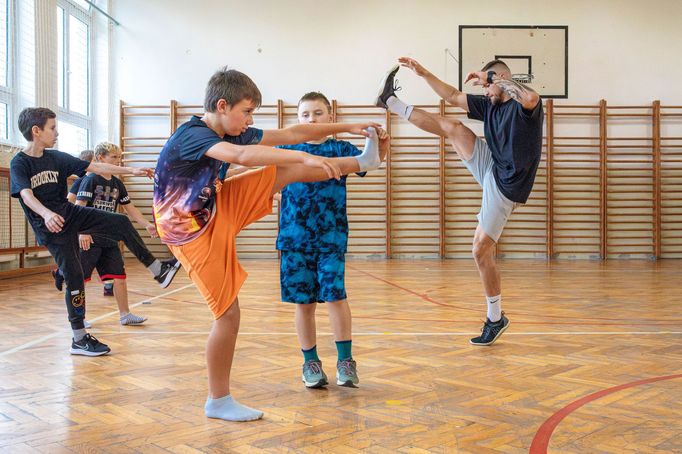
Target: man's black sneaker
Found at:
89, 346
58, 279
388, 87
491, 331
168, 270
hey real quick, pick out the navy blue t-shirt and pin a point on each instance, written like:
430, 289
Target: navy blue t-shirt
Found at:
514, 136
186, 180
313, 215
47, 177
76, 185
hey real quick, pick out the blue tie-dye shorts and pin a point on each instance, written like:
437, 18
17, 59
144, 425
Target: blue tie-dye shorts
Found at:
312, 277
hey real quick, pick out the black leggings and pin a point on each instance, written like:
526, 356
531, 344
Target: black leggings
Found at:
66, 251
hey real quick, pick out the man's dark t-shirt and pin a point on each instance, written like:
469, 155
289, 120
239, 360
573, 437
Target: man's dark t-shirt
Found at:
514, 136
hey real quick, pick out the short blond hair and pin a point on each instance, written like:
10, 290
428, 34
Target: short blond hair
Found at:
104, 148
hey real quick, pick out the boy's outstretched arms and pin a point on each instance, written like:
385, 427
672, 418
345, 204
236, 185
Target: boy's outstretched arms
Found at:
306, 132
103, 168
258, 155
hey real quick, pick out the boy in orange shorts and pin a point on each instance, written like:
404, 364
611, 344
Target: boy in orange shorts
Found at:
198, 214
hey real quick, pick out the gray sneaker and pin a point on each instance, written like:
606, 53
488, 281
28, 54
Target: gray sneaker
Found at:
313, 375
132, 319
346, 373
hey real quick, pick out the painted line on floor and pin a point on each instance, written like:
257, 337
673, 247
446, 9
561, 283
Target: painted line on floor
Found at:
142, 329
605, 321
101, 317
540, 442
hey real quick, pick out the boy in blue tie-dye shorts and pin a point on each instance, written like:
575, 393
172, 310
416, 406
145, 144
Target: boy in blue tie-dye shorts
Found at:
312, 238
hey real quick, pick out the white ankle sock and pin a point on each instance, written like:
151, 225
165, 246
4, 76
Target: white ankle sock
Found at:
369, 159
399, 108
230, 410
494, 308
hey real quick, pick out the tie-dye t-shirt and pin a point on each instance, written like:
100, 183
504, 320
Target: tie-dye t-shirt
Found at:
313, 215
186, 180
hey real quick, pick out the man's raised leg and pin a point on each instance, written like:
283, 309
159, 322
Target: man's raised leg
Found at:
461, 137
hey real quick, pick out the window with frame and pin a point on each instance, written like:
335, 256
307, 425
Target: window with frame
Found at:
5, 68
74, 68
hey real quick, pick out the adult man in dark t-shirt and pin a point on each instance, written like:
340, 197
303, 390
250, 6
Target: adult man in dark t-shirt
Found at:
504, 165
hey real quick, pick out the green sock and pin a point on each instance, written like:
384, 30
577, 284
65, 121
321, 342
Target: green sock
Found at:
343, 348
310, 354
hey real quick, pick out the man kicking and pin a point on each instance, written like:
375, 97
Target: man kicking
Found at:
504, 165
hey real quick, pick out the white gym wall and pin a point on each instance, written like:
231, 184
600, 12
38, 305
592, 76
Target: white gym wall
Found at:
625, 51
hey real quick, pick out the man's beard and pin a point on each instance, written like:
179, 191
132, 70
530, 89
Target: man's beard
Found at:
494, 100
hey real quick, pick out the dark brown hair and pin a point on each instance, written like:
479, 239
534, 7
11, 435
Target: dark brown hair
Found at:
33, 116
232, 86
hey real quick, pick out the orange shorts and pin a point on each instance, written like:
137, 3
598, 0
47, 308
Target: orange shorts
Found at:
211, 259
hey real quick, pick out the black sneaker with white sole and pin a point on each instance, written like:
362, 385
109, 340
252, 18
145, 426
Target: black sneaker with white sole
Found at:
89, 346
388, 87
491, 331
168, 270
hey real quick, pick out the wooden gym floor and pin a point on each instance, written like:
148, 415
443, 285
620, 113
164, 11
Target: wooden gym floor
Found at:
592, 363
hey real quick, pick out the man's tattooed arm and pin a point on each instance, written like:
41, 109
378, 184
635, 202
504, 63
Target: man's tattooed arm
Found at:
518, 91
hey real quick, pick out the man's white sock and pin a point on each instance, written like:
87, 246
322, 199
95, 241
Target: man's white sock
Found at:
494, 308
399, 108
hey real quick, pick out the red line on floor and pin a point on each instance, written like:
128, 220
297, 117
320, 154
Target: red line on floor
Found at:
427, 298
541, 440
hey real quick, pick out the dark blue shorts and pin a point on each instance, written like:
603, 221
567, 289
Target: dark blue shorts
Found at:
312, 277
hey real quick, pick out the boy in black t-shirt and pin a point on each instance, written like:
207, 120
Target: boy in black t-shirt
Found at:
504, 165
106, 192
38, 179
